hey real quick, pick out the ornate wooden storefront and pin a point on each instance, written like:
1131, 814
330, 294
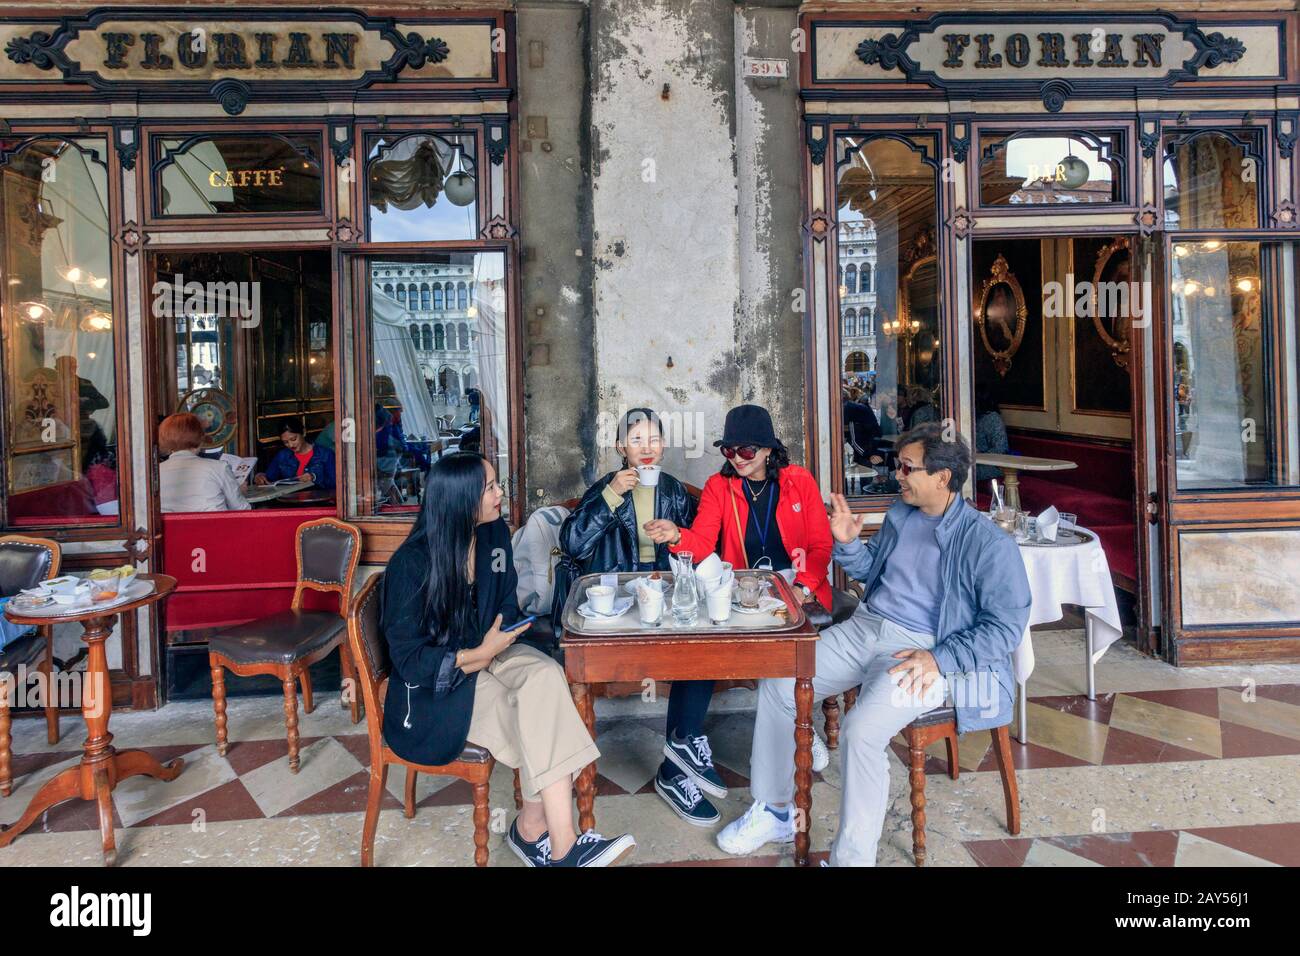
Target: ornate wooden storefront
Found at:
972, 180
334, 160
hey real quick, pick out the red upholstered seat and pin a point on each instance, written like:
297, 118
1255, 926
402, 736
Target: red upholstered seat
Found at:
1100, 491
234, 566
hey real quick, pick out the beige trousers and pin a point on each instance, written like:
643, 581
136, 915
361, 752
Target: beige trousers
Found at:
524, 714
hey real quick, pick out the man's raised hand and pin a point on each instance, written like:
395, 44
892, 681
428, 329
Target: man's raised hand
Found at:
845, 525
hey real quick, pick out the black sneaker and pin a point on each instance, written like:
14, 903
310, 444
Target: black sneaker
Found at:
693, 756
592, 849
687, 802
533, 854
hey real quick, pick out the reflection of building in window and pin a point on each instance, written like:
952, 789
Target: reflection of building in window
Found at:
442, 323
857, 253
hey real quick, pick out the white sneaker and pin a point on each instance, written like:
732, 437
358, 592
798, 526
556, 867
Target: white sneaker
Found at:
757, 827
821, 756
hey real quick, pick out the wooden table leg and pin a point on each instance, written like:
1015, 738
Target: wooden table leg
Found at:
803, 731
101, 765
586, 784
64, 786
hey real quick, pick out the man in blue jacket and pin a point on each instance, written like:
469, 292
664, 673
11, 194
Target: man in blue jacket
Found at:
946, 603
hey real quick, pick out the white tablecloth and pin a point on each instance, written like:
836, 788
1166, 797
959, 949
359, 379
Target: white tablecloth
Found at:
1074, 575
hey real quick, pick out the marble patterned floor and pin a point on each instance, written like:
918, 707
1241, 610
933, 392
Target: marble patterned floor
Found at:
1168, 767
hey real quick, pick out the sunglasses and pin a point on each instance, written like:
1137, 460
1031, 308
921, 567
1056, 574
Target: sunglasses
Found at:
746, 452
905, 469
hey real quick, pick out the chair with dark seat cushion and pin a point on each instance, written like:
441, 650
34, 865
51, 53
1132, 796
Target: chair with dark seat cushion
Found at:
288, 643
941, 724
24, 563
474, 765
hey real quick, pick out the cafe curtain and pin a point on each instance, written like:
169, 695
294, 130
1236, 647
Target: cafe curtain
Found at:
491, 327
395, 357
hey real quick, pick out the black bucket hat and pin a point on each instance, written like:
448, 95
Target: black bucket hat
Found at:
748, 425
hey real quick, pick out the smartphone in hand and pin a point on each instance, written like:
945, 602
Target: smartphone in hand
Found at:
518, 624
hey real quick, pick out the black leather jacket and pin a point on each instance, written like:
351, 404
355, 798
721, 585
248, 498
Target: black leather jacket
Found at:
596, 539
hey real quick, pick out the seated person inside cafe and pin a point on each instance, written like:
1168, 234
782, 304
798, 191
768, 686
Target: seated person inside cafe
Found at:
187, 481
946, 603
606, 533
761, 512
299, 459
461, 674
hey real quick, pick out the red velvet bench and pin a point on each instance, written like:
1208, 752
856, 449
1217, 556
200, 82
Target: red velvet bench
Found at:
1100, 491
234, 566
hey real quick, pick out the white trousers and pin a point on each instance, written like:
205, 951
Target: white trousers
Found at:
859, 651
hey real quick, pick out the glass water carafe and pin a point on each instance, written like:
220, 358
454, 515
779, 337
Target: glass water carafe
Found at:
686, 602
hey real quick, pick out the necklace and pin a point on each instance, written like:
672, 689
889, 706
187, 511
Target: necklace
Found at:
750, 491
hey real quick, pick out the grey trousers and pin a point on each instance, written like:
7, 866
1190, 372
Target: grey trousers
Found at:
859, 651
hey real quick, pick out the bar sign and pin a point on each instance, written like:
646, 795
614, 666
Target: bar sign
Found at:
752, 66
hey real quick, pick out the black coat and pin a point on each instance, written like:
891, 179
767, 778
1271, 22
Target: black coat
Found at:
595, 539
430, 700
862, 431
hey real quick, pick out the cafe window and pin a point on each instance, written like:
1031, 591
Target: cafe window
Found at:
59, 381
251, 336
1227, 307
1037, 169
421, 187
454, 399
1212, 180
890, 374
237, 174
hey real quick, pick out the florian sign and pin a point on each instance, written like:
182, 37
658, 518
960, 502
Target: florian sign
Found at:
233, 56
1055, 56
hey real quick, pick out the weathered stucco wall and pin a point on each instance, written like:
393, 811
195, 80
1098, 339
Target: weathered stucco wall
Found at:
555, 224
681, 298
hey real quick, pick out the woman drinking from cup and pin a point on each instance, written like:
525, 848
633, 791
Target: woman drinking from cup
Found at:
762, 512
606, 533
460, 673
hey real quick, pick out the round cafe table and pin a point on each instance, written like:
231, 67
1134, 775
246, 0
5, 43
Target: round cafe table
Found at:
1012, 465
1067, 574
102, 767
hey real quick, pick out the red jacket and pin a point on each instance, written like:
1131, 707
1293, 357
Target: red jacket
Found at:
800, 517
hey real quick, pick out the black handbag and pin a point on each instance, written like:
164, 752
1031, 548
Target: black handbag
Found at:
567, 570
817, 614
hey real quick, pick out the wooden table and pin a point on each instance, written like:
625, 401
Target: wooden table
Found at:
1011, 465
732, 651
102, 767
260, 494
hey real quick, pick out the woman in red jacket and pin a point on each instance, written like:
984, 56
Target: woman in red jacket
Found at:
764, 513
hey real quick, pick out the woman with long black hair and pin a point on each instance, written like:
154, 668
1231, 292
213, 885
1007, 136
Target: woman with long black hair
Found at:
461, 674
607, 533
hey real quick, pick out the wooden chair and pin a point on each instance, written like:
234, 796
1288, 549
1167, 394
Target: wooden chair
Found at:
25, 563
474, 766
288, 643
941, 724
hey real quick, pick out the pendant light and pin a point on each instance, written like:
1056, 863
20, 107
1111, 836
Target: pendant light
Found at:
1074, 171
460, 187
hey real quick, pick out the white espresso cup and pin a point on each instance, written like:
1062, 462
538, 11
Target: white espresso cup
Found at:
648, 474
719, 602
601, 598
650, 605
